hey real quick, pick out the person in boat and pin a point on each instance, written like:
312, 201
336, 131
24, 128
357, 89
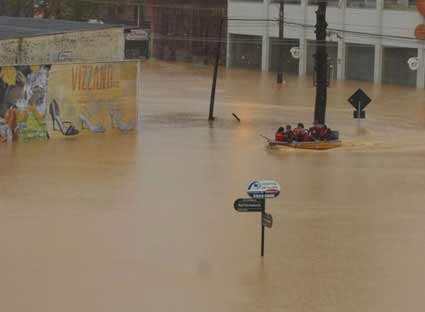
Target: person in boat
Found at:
333, 135
289, 134
324, 133
280, 134
301, 134
298, 132
314, 132
321, 132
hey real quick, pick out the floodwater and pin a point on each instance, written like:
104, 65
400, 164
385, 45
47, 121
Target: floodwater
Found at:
146, 222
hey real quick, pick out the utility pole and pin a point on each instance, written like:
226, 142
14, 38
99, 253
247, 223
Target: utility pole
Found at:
138, 16
215, 75
321, 66
280, 57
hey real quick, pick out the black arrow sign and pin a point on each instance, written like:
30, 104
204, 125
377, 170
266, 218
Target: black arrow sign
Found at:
249, 205
359, 100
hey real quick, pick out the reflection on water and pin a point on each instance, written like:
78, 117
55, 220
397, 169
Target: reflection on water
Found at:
145, 222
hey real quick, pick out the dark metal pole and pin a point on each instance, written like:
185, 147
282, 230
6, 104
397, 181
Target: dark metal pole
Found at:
321, 66
217, 62
281, 33
262, 227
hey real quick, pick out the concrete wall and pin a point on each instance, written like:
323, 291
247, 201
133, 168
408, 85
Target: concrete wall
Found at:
86, 46
8, 51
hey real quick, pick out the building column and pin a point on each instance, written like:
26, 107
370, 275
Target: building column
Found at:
303, 56
377, 72
265, 51
139, 92
228, 60
265, 54
340, 74
302, 67
420, 80
340, 70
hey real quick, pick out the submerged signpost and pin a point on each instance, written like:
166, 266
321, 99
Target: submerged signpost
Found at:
359, 100
258, 192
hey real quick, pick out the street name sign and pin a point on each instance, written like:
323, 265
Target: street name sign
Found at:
267, 220
249, 205
263, 189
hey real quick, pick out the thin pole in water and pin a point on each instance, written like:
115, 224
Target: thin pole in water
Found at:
262, 227
217, 61
359, 113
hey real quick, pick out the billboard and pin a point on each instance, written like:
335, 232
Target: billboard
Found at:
43, 101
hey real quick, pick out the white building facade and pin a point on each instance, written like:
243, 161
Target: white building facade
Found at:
370, 40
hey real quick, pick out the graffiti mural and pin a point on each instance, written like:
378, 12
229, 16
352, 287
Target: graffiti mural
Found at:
39, 102
23, 102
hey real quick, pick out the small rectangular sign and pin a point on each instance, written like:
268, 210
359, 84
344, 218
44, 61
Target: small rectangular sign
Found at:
249, 205
362, 115
267, 220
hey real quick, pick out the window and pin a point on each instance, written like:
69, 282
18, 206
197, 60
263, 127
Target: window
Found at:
369, 4
286, 1
245, 51
331, 3
400, 4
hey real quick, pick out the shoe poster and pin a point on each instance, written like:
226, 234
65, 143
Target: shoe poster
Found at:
40, 102
95, 98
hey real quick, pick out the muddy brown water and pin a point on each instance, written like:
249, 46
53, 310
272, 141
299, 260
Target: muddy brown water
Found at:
146, 222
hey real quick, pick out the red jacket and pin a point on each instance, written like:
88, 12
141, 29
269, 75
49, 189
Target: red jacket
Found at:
280, 136
324, 133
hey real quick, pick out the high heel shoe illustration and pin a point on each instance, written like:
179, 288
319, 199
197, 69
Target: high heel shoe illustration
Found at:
86, 124
55, 114
117, 121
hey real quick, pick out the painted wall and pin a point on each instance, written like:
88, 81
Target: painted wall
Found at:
86, 46
95, 91
98, 96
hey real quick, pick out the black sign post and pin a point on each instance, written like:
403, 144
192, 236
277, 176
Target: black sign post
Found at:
262, 226
359, 100
258, 192
256, 205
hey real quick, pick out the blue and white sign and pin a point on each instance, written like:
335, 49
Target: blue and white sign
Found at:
263, 189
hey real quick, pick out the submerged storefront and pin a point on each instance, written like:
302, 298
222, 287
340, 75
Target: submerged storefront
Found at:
245, 52
359, 62
290, 64
395, 68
